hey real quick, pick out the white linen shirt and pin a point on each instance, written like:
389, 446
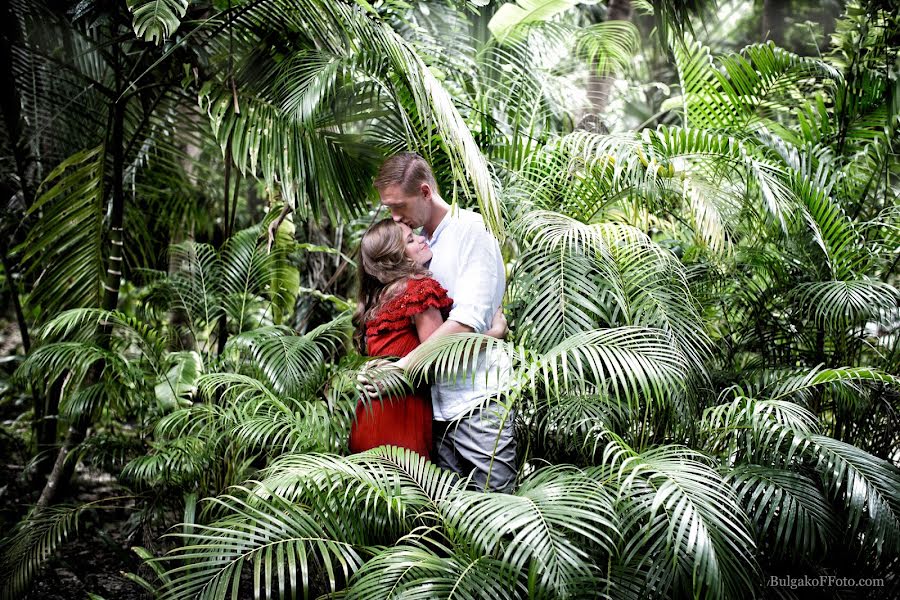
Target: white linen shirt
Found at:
467, 262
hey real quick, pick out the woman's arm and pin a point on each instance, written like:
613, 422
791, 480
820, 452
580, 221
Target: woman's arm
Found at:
427, 323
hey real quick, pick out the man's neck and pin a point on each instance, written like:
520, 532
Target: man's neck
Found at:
439, 210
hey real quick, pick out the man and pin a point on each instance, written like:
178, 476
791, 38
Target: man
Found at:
473, 434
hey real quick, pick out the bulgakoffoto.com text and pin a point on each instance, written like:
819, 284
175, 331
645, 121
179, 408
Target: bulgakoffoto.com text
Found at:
829, 581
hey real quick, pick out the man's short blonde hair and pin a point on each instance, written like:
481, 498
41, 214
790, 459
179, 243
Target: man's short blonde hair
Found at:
406, 169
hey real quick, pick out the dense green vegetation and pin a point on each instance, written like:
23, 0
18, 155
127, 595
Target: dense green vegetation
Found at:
702, 236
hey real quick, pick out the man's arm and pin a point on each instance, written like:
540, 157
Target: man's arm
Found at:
480, 271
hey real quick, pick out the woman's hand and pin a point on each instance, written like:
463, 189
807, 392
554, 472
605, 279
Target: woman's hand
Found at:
378, 377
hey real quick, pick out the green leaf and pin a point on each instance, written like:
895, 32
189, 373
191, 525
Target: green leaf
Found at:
790, 512
513, 14
678, 516
549, 522
65, 246
867, 486
156, 20
180, 381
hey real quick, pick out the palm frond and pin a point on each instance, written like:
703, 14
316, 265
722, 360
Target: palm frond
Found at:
512, 17
627, 362
64, 247
125, 331
194, 284
34, 540
287, 361
75, 359
847, 303
421, 572
758, 429
577, 425
365, 45
787, 508
866, 486
264, 533
381, 485
796, 386
678, 514
578, 277
610, 46
546, 524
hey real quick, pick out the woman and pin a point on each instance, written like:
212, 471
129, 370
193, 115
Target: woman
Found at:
399, 306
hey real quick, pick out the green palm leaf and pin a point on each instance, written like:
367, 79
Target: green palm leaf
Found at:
627, 362
392, 480
279, 538
547, 522
416, 572
867, 486
33, 542
796, 386
787, 509
846, 303
195, 285
306, 159
757, 429
513, 15
63, 249
577, 424
610, 46
288, 362
677, 514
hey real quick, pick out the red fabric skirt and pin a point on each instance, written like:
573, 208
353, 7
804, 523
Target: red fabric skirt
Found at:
404, 422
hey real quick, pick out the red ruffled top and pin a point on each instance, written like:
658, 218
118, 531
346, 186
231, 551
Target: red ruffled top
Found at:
392, 332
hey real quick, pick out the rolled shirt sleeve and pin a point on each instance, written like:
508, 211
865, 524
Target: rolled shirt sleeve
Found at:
477, 279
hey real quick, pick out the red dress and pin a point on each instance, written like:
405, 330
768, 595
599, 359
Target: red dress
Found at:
404, 422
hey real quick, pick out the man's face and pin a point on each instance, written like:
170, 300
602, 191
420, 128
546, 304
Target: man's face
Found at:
413, 210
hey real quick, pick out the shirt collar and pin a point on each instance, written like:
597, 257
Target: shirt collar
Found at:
431, 241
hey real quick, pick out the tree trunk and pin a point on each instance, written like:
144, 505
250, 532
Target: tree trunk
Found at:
63, 469
10, 102
773, 15
11, 106
222, 330
14, 298
599, 87
46, 426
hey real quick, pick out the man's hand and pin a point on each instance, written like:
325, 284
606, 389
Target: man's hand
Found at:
499, 325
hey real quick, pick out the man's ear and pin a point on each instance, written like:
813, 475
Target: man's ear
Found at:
426, 191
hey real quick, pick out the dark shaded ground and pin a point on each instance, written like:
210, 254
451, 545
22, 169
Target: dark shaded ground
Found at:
92, 561
94, 557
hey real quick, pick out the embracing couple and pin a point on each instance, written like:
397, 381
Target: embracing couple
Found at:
447, 279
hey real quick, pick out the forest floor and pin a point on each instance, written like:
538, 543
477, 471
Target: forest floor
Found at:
90, 565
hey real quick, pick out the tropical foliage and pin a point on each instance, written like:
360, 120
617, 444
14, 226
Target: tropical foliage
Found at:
703, 299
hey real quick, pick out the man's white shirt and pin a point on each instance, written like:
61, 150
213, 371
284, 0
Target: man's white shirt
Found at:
467, 262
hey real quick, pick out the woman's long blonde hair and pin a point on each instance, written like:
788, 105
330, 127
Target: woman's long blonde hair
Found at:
383, 266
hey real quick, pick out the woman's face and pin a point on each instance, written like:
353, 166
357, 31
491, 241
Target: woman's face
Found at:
416, 248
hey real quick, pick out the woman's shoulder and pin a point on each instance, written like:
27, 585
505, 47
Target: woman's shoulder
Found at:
421, 293
423, 286
416, 295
